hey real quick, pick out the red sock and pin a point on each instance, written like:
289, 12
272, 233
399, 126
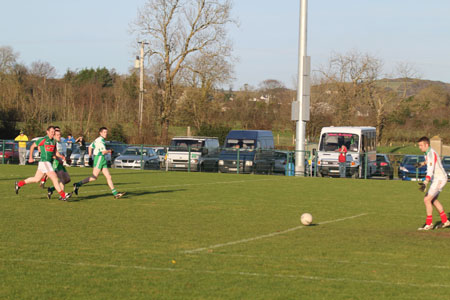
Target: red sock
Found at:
429, 220
443, 217
63, 195
21, 183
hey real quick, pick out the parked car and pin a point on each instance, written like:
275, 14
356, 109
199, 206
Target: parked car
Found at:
10, 153
161, 152
408, 169
36, 153
75, 157
134, 158
285, 163
203, 151
446, 165
255, 149
383, 167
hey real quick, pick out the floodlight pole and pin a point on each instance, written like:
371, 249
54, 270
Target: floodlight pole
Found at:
303, 92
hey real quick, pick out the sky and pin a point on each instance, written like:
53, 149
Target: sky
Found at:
78, 34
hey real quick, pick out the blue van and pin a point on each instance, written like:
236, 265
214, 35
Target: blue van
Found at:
255, 149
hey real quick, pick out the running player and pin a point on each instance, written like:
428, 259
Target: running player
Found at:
59, 168
438, 178
47, 147
99, 148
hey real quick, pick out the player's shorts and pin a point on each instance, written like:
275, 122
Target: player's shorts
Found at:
60, 168
436, 187
45, 167
100, 162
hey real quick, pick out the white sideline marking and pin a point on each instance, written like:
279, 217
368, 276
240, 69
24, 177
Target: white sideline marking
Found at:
253, 274
268, 235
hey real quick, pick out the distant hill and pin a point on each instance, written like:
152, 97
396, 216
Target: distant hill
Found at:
414, 86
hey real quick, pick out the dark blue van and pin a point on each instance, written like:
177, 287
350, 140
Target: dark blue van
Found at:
255, 149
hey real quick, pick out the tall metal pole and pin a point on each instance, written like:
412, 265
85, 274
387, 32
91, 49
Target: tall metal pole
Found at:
302, 92
141, 86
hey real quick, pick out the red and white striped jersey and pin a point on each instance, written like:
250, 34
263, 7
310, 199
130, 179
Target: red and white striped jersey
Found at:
435, 171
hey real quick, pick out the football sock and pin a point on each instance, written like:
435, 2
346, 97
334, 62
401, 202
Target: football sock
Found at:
52, 189
443, 217
114, 192
78, 184
429, 220
21, 183
62, 194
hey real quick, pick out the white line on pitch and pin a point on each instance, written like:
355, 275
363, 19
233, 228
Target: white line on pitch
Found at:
268, 235
253, 274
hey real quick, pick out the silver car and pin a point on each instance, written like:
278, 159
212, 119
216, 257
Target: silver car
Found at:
133, 158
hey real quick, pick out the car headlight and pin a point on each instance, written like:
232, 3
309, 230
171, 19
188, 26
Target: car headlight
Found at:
404, 169
138, 161
248, 163
220, 162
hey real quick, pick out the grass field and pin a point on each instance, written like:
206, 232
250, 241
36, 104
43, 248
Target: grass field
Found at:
219, 236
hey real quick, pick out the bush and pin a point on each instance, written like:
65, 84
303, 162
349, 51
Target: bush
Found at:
218, 131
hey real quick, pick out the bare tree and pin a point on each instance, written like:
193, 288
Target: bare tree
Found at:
42, 69
406, 71
8, 59
176, 30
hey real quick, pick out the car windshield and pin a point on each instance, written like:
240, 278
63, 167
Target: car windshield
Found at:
446, 160
135, 151
411, 160
334, 141
381, 158
242, 144
8, 147
160, 152
183, 145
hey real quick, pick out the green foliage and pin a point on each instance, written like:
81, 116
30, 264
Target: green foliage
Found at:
100, 76
219, 131
32, 128
116, 133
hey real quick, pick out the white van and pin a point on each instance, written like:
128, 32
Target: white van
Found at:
203, 152
361, 146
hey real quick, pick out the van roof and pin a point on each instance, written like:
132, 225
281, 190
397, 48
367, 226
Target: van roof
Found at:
193, 137
249, 134
347, 129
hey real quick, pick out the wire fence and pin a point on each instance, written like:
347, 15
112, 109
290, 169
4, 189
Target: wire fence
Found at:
197, 158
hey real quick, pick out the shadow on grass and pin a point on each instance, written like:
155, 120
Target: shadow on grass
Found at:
127, 195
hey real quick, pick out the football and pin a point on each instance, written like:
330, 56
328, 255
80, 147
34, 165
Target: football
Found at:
306, 219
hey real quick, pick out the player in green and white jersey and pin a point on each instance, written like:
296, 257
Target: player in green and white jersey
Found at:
58, 166
99, 150
47, 147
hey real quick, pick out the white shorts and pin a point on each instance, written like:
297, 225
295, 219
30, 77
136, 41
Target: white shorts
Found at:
436, 187
45, 167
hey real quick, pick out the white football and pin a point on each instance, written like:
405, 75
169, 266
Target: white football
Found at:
306, 219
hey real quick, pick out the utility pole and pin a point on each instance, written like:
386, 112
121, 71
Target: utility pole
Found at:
301, 107
140, 60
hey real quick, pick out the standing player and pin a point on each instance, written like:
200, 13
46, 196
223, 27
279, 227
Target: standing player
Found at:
59, 168
99, 148
47, 147
438, 177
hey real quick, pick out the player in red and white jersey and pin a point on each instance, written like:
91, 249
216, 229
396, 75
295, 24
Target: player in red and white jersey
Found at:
438, 177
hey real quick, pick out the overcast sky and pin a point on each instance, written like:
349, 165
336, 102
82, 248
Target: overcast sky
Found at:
77, 34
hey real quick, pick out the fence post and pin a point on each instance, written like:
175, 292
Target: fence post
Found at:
417, 168
238, 161
189, 158
142, 156
3, 152
365, 165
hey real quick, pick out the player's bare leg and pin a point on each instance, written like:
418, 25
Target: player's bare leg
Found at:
64, 178
444, 220
93, 177
115, 193
36, 178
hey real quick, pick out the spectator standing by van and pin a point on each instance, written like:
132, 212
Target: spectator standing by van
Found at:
82, 143
22, 139
69, 141
342, 161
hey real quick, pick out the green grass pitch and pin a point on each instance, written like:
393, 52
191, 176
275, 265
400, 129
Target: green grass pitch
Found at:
220, 236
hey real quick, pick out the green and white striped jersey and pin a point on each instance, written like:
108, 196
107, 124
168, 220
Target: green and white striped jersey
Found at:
98, 145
